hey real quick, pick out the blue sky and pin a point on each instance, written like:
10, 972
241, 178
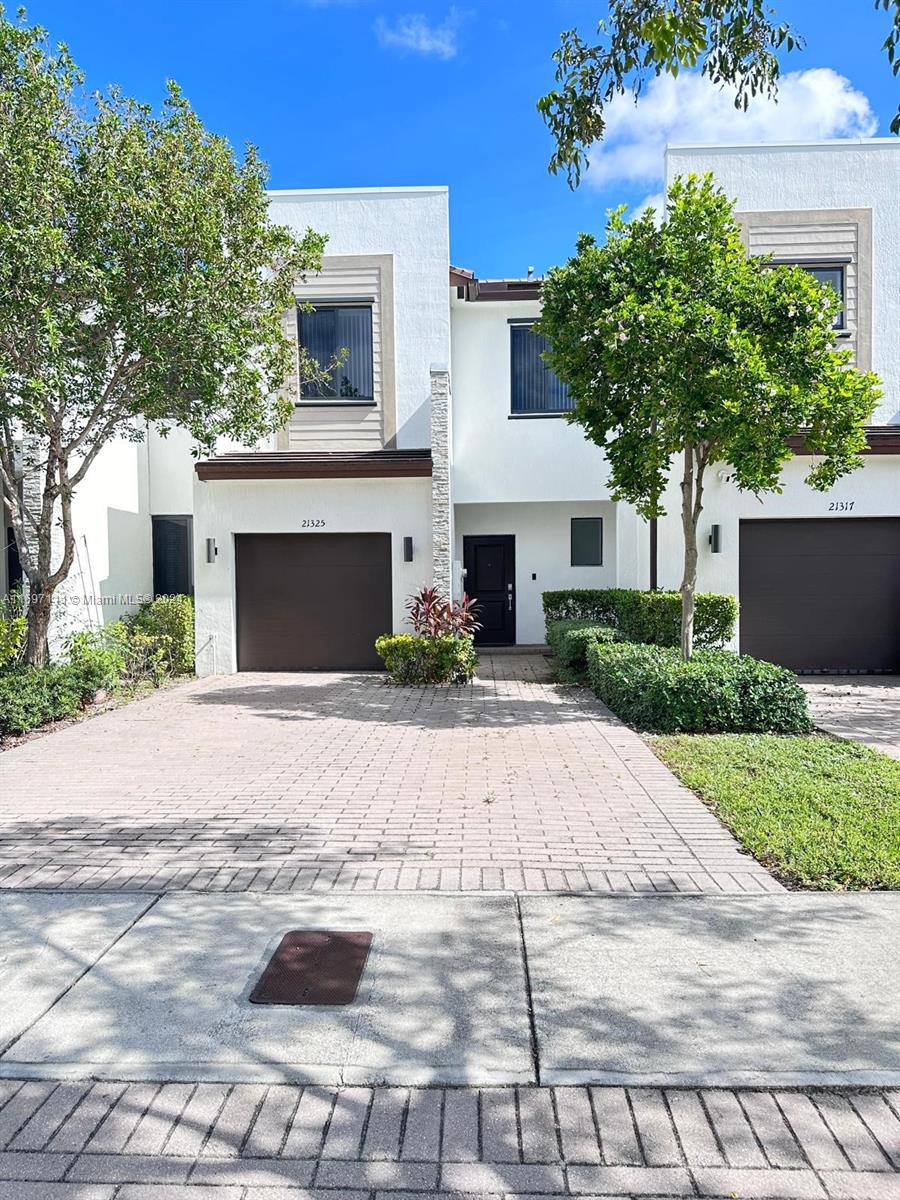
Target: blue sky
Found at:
346, 93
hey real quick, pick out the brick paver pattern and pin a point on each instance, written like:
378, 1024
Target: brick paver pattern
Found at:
862, 708
345, 782
108, 1141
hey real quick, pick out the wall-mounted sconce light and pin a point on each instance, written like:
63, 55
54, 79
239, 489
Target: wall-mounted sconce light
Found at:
715, 539
211, 550
407, 549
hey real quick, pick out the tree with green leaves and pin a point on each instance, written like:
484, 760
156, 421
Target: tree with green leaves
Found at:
679, 347
731, 42
140, 281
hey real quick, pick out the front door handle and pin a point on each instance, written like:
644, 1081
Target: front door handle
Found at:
509, 594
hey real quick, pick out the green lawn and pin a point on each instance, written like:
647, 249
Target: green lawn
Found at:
821, 813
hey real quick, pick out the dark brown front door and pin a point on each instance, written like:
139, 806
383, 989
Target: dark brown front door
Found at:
490, 564
822, 595
312, 601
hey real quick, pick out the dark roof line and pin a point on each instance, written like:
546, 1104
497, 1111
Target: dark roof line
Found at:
347, 464
470, 287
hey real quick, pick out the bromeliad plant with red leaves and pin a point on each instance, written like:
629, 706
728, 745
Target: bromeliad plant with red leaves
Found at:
433, 615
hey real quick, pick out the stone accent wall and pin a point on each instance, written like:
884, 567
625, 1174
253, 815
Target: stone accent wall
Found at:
441, 506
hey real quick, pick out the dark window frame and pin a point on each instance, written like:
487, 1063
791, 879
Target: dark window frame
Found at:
840, 321
575, 521
309, 399
824, 264
185, 520
525, 324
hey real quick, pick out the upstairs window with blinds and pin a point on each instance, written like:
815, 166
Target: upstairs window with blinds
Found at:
535, 389
338, 331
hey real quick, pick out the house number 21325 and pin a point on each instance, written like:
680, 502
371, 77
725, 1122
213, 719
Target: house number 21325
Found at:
312, 523
841, 505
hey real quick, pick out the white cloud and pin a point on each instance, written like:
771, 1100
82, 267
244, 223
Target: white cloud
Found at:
811, 105
415, 33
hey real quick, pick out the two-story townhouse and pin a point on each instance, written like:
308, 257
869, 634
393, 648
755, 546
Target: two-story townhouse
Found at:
531, 502
817, 575
440, 452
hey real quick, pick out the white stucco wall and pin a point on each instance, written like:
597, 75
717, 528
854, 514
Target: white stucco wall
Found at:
874, 491
501, 458
171, 473
401, 507
113, 571
412, 224
543, 548
838, 174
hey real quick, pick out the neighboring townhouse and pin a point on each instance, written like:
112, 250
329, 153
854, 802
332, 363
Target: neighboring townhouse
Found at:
817, 575
440, 453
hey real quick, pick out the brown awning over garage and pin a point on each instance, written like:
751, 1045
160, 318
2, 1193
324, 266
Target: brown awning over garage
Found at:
368, 464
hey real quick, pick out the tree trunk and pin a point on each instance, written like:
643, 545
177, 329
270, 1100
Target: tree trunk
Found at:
695, 460
689, 578
37, 652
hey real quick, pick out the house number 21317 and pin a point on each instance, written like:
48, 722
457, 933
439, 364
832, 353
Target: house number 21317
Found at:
841, 505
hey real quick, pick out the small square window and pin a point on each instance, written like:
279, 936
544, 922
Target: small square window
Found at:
587, 541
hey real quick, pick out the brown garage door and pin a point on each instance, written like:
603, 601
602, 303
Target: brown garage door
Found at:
822, 595
311, 601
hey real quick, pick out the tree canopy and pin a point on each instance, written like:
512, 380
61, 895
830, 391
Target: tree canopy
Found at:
140, 280
676, 344
734, 42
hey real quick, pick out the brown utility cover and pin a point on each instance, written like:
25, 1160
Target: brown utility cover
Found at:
822, 595
314, 967
312, 601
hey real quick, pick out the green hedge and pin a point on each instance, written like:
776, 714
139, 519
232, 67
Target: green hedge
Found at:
157, 642
599, 606
413, 659
569, 641
32, 696
652, 688
653, 618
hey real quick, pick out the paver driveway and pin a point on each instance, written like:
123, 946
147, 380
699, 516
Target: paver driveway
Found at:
311, 782
861, 708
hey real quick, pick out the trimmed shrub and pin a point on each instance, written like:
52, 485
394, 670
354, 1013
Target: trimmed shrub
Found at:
32, 696
597, 605
650, 617
569, 641
655, 618
413, 659
651, 688
168, 622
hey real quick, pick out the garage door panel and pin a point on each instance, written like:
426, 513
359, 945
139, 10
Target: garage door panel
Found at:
822, 594
312, 601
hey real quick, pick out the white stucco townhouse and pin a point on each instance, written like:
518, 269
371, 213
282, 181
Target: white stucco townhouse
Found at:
441, 453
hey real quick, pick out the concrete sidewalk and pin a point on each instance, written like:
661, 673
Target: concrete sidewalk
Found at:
793, 989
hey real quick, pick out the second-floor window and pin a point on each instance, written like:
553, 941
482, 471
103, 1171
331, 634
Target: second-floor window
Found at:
833, 277
339, 330
535, 388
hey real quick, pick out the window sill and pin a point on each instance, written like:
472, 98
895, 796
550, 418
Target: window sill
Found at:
336, 403
536, 416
